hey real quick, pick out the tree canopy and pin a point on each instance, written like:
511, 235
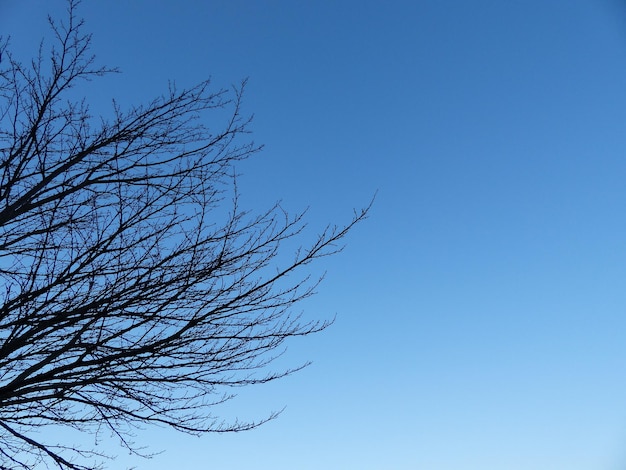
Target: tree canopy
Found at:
134, 288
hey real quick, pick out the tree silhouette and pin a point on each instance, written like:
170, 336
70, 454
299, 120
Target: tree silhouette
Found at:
134, 289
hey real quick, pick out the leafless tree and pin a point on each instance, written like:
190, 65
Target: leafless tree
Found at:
134, 289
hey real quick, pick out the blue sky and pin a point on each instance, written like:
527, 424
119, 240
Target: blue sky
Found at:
481, 308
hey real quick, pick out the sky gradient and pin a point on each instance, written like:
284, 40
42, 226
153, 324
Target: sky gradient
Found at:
481, 308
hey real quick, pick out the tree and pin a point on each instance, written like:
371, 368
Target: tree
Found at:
134, 288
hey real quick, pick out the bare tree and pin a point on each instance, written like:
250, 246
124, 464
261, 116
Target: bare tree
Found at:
134, 289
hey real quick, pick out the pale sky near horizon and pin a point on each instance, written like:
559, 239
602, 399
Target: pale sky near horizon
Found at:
481, 309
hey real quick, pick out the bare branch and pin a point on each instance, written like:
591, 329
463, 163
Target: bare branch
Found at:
134, 288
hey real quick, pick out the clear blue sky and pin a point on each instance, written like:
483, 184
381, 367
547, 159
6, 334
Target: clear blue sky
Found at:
481, 309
